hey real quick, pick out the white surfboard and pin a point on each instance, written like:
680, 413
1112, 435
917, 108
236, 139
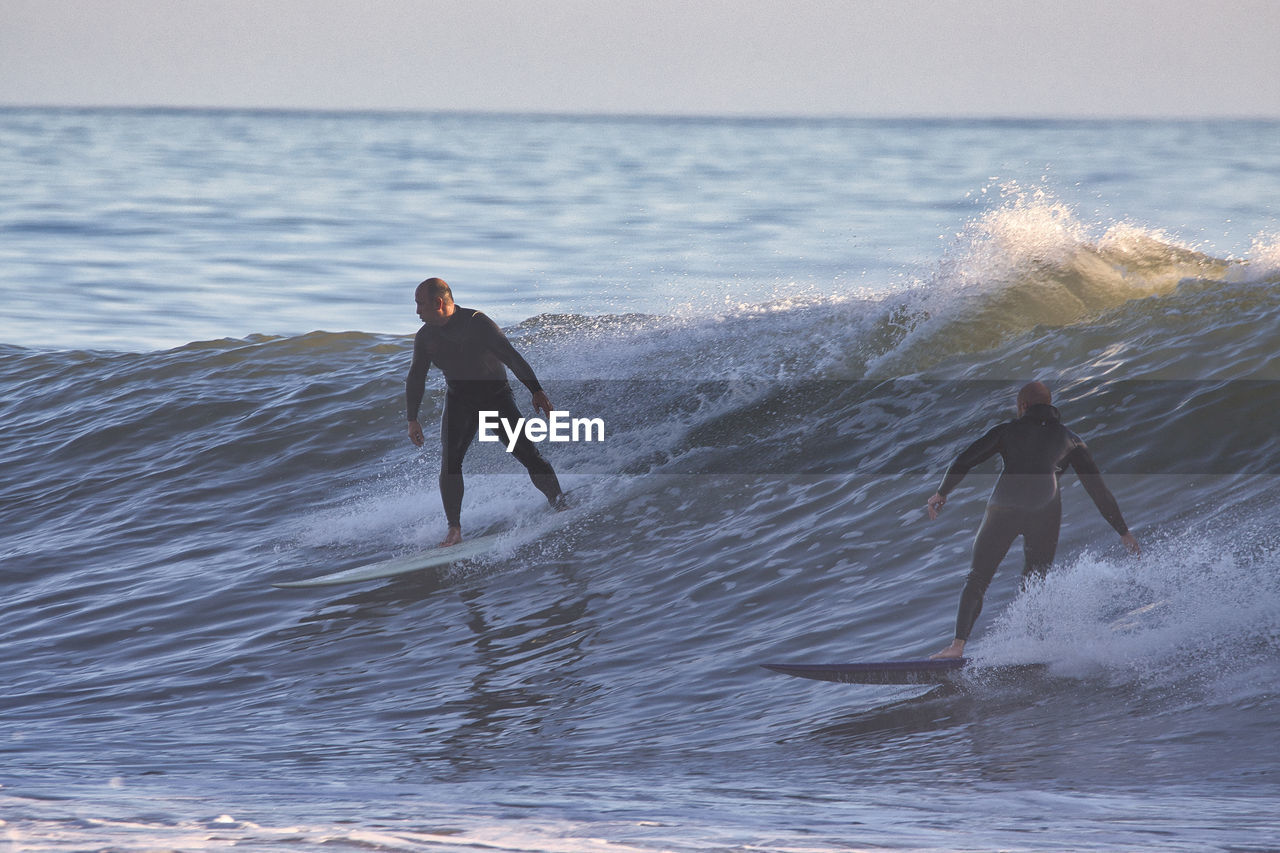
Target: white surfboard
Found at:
465, 550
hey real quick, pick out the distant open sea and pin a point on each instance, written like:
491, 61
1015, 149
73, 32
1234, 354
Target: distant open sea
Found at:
789, 328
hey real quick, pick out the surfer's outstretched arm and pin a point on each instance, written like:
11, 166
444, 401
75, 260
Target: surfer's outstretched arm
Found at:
978, 452
1091, 478
415, 387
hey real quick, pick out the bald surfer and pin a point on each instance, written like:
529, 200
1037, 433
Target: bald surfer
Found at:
473, 354
1027, 501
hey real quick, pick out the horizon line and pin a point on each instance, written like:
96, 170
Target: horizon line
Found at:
623, 115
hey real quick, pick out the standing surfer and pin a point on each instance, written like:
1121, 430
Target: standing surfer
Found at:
471, 352
1027, 501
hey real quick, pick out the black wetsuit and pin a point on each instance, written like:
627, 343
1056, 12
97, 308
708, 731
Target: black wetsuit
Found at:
1036, 448
471, 352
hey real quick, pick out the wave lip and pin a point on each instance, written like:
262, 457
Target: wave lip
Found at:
1033, 263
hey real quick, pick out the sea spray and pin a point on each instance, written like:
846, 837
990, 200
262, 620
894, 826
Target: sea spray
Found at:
1197, 605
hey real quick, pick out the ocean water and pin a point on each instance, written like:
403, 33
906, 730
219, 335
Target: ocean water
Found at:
789, 329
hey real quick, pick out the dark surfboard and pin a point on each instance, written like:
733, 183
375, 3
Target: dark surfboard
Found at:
926, 671
877, 672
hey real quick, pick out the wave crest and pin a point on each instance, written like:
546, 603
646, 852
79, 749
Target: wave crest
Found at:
1032, 263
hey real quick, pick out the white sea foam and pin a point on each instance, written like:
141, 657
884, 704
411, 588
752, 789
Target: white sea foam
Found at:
1203, 604
1262, 264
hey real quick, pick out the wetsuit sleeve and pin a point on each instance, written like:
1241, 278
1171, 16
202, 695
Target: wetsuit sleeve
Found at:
496, 342
975, 454
1091, 478
416, 385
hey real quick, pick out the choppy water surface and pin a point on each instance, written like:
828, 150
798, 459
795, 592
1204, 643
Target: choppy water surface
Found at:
789, 329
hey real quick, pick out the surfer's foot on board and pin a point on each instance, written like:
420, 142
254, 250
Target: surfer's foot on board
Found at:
559, 503
453, 537
955, 650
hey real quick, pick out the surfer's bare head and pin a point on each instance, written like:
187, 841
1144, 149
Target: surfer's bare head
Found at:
435, 301
1033, 394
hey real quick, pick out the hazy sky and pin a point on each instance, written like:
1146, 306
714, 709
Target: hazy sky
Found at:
793, 57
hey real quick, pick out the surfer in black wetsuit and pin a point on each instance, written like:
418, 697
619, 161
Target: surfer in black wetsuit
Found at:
471, 352
1036, 448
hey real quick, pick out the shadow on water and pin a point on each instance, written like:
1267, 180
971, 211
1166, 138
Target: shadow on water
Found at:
471, 659
962, 706
940, 708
